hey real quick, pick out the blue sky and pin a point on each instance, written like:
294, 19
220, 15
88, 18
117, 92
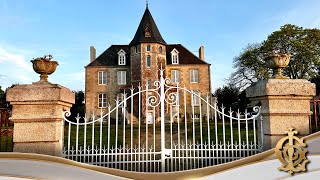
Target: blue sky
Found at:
66, 29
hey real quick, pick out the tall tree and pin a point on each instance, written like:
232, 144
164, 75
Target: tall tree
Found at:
3, 101
302, 44
316, 80
78, 107
231, 97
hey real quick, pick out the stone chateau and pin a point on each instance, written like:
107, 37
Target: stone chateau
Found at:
120, 67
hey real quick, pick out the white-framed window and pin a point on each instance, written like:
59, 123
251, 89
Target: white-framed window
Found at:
196, 116
149, 83
102, 100
102, 77
194, 76
175, 76
122, 57
148, 61
175, 56
148, 48
150, 118
120, 98
195, 98
121, 77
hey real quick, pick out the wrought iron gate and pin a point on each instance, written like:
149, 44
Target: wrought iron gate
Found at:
162, 129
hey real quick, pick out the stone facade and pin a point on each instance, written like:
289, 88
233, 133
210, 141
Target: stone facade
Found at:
202, 86
111, 88
147, 44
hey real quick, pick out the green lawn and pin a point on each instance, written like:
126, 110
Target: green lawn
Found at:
143, 134
6, 139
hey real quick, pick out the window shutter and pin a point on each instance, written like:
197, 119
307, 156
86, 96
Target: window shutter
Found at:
195, 76
105, 78
178, 76
119, 77
124, 77
172, 75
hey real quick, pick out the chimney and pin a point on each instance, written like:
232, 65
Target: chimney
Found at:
92, 53
201, 53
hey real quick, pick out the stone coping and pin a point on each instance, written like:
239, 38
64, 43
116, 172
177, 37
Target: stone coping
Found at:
40, 92
281, 87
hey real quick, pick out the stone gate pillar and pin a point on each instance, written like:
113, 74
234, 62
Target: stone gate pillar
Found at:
285, 103
37, 112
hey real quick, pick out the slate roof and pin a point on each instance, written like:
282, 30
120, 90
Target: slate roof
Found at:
185, 56
147, 22
110, 56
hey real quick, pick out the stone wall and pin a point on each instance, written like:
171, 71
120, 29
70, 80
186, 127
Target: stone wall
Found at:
111, 88
202, 86
37, 115
138, 74
285, 103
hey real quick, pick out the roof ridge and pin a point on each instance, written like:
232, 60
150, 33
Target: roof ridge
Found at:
191, 52
173, 44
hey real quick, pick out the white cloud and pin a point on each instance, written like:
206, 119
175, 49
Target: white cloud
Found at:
14, 66
16, 59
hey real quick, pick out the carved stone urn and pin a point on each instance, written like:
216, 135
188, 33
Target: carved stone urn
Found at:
277, 62
44, 66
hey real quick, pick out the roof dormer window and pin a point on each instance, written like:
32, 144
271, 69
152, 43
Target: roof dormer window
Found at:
122, 57
175, 56
147, 32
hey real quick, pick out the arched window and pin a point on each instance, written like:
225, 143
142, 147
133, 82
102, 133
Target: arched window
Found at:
147, 32
148, 61
175, 56
148, 48
121, 57
160, 49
